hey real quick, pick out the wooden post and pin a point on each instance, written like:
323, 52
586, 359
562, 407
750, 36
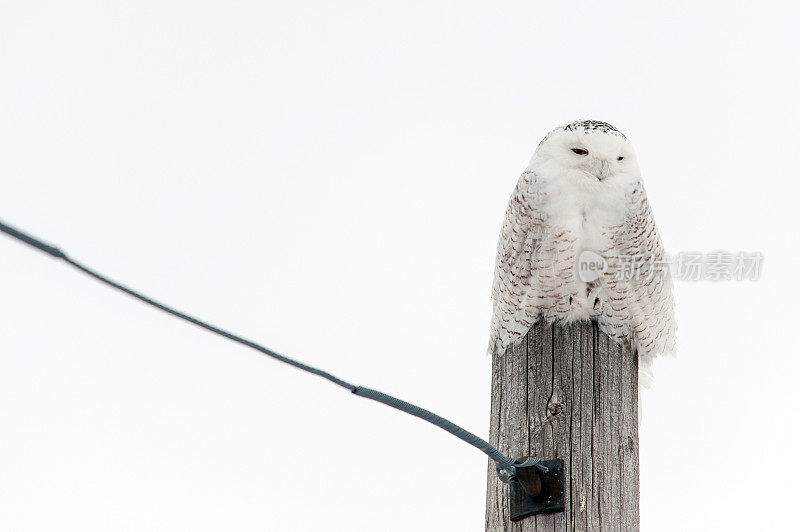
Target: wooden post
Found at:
569, 392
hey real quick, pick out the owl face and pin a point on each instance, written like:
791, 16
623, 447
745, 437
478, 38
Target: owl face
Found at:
587, 151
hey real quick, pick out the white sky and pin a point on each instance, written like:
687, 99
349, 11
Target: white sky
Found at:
331, 181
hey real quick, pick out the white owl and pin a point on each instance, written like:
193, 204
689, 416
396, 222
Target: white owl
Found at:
581, 197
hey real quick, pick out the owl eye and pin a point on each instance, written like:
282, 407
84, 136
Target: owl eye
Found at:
580, 151
620, 158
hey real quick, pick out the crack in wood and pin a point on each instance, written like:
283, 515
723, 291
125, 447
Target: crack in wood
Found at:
577, 400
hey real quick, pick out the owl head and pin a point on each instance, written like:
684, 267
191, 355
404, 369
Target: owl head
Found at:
588, 151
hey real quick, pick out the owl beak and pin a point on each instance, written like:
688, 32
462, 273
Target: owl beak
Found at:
603, 173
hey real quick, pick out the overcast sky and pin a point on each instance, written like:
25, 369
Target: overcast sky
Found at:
331, 180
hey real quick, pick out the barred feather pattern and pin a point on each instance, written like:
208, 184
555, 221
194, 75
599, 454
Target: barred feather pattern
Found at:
639, 309
536, 274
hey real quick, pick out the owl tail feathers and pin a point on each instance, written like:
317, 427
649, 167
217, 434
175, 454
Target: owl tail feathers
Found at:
494, 344
646, 379
639, 406
646, 375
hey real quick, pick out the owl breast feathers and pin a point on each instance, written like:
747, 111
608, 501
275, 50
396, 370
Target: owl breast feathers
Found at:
579, 241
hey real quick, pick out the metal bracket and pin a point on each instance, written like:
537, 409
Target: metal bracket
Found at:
535, 492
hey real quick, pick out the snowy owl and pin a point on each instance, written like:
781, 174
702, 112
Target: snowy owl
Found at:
579, 242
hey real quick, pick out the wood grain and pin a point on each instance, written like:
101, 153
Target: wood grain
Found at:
568, 391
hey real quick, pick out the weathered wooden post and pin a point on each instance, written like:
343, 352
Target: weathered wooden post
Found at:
569, 392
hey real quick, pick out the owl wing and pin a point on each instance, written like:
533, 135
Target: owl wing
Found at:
638, 303
520, 258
